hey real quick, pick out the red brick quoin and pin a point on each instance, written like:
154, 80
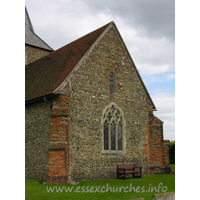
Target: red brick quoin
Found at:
59, 156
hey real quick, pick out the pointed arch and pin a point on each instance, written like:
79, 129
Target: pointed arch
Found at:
113, 126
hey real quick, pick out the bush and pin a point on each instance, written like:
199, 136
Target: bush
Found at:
171, 146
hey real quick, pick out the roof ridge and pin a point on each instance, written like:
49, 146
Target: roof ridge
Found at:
53, 70
87, 52
67, 44
58, 66
85, 35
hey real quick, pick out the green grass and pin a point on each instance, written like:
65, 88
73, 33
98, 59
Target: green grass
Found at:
36, 191
172, 168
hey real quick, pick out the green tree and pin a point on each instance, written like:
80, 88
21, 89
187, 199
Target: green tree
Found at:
171, 146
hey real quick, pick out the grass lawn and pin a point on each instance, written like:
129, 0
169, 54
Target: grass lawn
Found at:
172, 167
101, 189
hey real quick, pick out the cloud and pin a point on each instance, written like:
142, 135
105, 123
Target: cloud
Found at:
165, 104
152, 18
151, 55
168, 130
61, 22
156, 80
148, 69
147, 28
148, 18
170, 76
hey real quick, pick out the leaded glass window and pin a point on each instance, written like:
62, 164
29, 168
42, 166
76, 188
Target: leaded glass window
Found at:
112, 133
111, 81
119, 131
105, 130
113, 129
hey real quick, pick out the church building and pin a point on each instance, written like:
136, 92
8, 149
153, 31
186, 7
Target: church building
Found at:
88, 110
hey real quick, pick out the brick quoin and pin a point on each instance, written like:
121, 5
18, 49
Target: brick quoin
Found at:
155, 149
158, 152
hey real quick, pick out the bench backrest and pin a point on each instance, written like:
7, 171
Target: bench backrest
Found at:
126, 166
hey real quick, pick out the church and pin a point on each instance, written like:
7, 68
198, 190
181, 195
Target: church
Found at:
87, 110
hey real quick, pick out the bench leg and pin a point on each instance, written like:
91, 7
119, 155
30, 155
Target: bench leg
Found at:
124, 176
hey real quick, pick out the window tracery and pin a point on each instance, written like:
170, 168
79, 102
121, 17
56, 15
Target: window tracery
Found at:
113, 129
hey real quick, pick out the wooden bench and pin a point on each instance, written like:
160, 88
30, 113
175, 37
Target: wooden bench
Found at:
128, 169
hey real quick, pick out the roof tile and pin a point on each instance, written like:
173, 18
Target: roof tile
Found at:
44, 75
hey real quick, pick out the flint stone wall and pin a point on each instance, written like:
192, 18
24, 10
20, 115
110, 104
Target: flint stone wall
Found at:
32, 54
65, 144
90, 96
37, 140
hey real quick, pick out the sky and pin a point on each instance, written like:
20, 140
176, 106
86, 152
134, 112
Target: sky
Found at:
146, 26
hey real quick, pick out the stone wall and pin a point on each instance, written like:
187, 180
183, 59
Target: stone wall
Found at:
37, 140
158, 151
65, 143
33, 53
90, 96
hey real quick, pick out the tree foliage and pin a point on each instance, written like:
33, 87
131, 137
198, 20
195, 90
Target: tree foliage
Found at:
171, 146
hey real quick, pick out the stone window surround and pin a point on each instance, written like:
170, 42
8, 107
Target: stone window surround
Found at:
112, 81
123, 151
108, 71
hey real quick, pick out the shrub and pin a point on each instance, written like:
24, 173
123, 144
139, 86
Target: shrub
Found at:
171, 146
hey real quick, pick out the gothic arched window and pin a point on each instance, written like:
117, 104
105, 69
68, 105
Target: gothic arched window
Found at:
111, 81
113, 129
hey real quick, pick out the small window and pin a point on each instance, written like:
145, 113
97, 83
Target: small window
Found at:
111, 81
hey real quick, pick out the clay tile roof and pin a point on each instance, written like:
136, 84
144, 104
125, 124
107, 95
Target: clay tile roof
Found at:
44, 75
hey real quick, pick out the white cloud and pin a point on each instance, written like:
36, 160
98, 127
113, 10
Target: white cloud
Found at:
151, 56
148, 69
61, 22
170, 76
157, 78
151, 18
147, 30
165, 104
168, 130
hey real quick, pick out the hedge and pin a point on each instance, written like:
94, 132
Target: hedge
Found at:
171, 146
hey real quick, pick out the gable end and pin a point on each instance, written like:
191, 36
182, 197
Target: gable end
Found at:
134, 66
112, 25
